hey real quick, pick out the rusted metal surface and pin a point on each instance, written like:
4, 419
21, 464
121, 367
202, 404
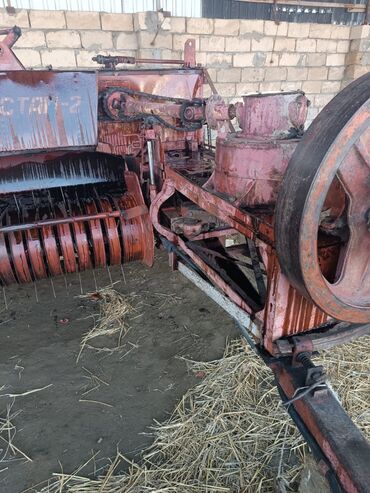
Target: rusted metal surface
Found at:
179, 83
126, 137
272, 116
21, 173
167, 192
287, 311
190, 53
335, 146
240, 194
44, 110
327, 337
78, 149
110, 62
250, 173
341, 443
138, 226
233, 216
250, 164
8, 60
82, 232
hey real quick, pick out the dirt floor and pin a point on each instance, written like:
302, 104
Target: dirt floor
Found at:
40, 344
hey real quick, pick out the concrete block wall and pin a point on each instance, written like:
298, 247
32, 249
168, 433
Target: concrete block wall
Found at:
241, 55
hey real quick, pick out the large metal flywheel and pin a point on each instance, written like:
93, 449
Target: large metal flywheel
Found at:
330, 165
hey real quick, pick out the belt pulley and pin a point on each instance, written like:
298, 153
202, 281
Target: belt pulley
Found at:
335, 149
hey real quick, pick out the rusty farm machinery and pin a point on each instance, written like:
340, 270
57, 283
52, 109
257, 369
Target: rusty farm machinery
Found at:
270, 220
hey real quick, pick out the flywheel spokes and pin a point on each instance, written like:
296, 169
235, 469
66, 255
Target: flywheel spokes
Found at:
335, 149
353, 274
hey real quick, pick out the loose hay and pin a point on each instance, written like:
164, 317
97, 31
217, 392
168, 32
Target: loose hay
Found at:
93, 382
9, 452
112, 319
230, 432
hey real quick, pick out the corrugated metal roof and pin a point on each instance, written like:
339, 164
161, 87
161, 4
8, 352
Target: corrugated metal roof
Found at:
233, 9
224, 9
182, 8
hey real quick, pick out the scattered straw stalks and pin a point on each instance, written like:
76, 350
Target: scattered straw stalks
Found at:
230, 432
9, 452
93, 382
112, 319
348, 369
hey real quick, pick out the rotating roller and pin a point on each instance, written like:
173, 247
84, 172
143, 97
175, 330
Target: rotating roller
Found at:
72, 236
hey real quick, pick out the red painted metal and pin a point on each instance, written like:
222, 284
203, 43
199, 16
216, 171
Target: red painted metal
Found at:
8, 60
167, 192
65, 240
67, 204
19, 257
81, 239
60, 113
6, 272
190, 53
71, 242
44, 110
250, 164
334, 149
250, 174
286, 311
52, 255
341, 442
111, 232
128, 138
272, 116
221, 208
110, 62
35, 253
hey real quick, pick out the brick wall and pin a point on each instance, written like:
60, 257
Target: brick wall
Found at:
242, 55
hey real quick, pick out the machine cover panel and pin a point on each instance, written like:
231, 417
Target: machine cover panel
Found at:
44, 110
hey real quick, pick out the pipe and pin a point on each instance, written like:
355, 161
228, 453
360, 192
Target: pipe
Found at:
150, 145
66, 220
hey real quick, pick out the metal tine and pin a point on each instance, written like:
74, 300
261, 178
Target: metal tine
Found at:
80, 279
16, 203
63, 197
96, 284
33, 198
52, 212
65, 282
52, 287
96, 193
36, 293
77, 200
5, 300
123, 274
109, 274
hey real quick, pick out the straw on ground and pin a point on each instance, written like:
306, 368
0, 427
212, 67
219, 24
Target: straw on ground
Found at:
230, 432
8, 450
112, 319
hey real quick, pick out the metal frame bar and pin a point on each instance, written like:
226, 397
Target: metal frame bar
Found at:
339, 439
340, 449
